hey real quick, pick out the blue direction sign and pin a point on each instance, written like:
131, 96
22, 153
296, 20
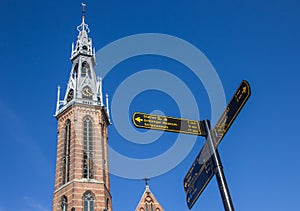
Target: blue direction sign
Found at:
201, 171
200, 184
198, 177
201, 163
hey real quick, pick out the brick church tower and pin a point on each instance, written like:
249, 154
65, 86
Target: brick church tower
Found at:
82, 177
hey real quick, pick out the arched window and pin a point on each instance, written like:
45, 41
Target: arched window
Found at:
88, 202
149, 204
75, 71
152, 207
88, 163
64, 203
66, 152
70, 95
85, 69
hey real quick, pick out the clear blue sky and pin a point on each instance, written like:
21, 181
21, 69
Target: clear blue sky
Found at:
253, 40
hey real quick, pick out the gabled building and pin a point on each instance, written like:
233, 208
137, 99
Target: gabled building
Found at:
148, 202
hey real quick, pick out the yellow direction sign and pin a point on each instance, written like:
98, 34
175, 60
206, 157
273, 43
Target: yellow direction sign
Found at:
170, 124
233, 108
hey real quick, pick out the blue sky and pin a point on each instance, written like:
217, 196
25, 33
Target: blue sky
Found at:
253, 40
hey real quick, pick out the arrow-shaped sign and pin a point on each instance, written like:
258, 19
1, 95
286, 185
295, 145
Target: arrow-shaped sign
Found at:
233, 108
170, 124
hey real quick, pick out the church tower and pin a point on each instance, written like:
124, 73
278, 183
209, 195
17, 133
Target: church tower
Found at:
82, 180
148, 202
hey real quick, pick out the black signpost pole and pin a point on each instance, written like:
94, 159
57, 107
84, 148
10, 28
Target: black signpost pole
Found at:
218, 169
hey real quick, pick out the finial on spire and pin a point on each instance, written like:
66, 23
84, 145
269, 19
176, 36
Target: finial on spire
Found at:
146, 181
83, 10
83, 26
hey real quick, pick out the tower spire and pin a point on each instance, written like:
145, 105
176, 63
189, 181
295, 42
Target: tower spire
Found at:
84, 43
83, 85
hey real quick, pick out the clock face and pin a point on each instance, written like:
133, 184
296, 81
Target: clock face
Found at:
87, 91
70, 95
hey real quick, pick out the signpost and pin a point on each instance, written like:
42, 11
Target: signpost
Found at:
204, 158
208, 162
170, 124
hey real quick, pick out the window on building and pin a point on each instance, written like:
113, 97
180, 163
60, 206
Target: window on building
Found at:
149, 204
85, 69
88, 163
66, 152
107, 204
75, 71
152, 207
88, 202
70, 95
64, 203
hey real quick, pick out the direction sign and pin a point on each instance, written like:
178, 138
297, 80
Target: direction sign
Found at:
233, 108
203, 178
198, 176
202, 160
170, 124
202, 170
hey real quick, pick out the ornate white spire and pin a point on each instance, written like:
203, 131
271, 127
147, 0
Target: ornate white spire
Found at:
83, 44
83, 86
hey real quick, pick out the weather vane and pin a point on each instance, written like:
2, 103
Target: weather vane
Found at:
83, 8
83, 25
